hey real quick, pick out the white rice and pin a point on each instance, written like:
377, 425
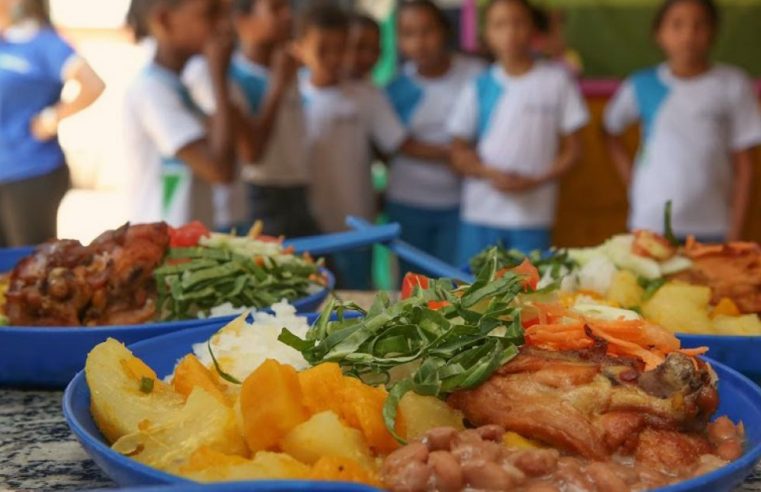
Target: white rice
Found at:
241, 347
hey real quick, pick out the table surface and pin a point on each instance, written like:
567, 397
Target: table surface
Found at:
38, 452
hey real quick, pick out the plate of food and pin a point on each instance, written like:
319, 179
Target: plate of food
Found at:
137, 282
709, 295
455, 387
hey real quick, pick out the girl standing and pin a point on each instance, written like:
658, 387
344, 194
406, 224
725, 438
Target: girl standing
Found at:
700, 123
35, 63
424, 194
517, 131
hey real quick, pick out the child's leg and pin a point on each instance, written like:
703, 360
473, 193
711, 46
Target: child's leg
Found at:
417, 229
528, 240
353, 269
447, 235
472, 239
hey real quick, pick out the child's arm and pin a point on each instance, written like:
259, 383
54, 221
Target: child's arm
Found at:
465, 160
741, 191
212, 158
260, 128
569, 155
622, 161
435, 153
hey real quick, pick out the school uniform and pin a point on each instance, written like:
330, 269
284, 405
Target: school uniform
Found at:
517, 124
34, 63
424, 196
343, 122
690, 129
160, 119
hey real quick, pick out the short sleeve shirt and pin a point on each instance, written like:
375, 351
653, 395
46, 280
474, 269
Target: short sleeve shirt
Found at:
33, 65
160, 120
690, 129
343, 122
516, 124
424, 104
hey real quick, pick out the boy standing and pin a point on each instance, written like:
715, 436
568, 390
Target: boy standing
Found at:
343, 120
175, 157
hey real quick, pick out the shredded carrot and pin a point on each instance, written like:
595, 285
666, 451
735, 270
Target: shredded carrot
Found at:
694, 249
561, 329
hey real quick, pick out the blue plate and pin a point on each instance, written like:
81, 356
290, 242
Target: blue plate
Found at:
10, 256
740, 400
48, 357
741, 353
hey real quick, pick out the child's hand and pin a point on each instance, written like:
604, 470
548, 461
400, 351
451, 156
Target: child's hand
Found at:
284, 67
513, 182
219, 49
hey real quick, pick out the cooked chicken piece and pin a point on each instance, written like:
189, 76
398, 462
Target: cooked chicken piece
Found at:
108, 282
730, 270
591, 405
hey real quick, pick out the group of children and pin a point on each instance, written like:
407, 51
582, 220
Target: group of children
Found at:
283, 125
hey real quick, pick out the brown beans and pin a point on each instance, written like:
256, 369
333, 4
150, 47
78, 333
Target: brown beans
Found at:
440, 438
414, 477
477, 451
447, 474
486, 475
491, 432
542, 487
605, 478
536, 462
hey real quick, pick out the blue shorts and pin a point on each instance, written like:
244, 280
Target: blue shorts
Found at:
434, 231
475, 238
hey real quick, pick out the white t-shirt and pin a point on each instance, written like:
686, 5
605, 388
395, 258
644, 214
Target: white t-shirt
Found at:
690, 129
517, 123
342, 123
423, 105
160, 119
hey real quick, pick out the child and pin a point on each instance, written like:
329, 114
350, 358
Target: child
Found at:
263, 76
516, 132
424, 195
175, 157
700, 123
343, 119
364, 47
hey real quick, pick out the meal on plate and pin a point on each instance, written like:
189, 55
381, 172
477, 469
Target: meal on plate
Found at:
495, 385
152, 272
694, 288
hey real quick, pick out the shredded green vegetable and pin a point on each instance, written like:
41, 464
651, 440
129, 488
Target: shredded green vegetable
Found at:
146, 385
195, 280
668, 231
651, 286
224, 375
556, 263
439, 351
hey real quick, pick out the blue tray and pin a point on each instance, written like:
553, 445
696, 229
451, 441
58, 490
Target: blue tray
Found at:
48, 357
10, 256
741, 353
740, 400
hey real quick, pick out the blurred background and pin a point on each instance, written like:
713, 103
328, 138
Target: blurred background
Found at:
607, 39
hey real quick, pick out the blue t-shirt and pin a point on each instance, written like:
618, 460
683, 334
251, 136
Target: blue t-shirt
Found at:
31, 79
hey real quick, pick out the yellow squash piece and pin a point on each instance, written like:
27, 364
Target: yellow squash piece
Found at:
680, 308
203, 421
423, 413
624, 290
270, 405
325, 435
118, 405
190, 373
336, 469
207, 465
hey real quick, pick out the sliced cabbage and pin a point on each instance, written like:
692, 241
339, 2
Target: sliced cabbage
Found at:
675, 264
603, 312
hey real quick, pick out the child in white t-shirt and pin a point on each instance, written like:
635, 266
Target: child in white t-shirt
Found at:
173, 157
700, 124
516, 132
424, 194
344, 119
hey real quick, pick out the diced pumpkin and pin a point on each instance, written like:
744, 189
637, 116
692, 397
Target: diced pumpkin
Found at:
207, 465
359, 405
725, 307
271, 405
337, 469
137, 368
325, 435
190, 373
423, 413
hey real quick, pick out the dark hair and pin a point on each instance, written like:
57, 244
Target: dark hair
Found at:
137, 19
38, 10
364, 21
708, 5
322, 15
538, 17
433, 9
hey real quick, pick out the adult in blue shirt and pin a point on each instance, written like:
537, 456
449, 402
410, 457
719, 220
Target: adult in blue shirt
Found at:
35, 63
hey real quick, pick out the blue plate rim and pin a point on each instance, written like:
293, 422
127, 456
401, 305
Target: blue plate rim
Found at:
186, 324
748, 459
